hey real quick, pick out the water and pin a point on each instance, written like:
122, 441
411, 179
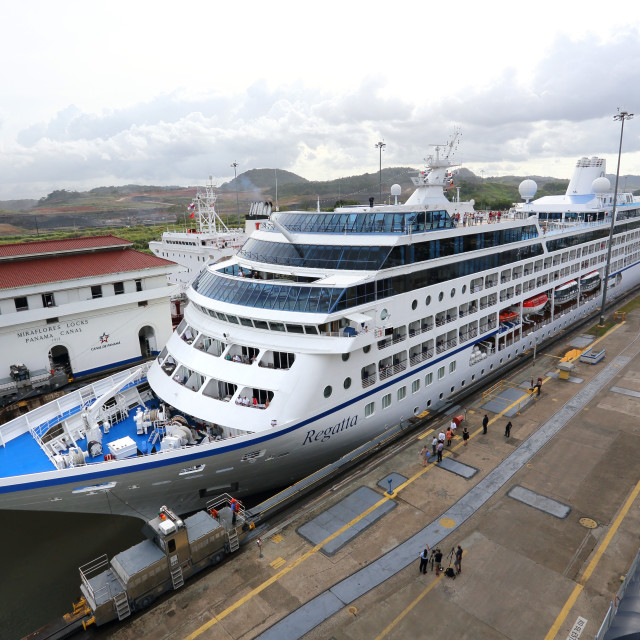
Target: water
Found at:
41, 553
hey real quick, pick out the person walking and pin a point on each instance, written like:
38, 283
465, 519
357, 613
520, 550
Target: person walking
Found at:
441, 436
434, 444
424, 454
424, 559
539, 386
440, 448
485, 423
458, 561
465, 436
449, 436
507, 429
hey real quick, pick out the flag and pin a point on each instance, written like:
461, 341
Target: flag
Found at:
191, 206
193, 215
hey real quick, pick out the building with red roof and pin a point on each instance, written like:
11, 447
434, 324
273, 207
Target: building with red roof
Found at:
82, 305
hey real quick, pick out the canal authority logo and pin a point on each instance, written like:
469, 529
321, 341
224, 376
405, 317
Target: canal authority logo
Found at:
104, 338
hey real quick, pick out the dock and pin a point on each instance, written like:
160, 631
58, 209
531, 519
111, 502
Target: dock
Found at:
547, 519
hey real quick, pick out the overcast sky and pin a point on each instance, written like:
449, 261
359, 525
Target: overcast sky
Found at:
103, 93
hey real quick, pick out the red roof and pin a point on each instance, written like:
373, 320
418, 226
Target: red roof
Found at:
57, 246
26, 272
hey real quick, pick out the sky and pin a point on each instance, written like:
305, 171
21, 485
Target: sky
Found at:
165, 93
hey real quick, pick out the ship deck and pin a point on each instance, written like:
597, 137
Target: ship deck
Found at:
23, 455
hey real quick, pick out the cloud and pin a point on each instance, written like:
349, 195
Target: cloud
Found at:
561, 109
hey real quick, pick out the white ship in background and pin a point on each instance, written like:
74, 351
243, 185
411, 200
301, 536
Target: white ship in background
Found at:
209, 241
321, 333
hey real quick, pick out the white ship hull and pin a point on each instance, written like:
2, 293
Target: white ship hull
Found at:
320, 383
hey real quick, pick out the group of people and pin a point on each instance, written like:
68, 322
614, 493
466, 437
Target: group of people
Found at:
244, 359
244, 401
435, 556
438, 443
476, 217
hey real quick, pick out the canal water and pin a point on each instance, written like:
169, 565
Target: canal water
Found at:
41, 553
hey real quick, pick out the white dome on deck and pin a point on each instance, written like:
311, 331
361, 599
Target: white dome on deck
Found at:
527, 189
601, 185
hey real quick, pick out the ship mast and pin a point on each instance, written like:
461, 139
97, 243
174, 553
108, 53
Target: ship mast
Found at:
204, 204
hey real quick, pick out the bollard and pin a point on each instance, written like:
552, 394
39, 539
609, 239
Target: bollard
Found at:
389, 492
259, 543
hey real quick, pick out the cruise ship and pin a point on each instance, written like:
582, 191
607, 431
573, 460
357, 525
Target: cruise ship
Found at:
323, 331
210, 240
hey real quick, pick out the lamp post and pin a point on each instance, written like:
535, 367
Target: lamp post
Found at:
235, 180
621, 116
380, 145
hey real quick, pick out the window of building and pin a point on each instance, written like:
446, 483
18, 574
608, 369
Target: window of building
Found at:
402, 393
118, 288
369, 409
21, 304
138, 285
48, 300
96, 291
415, 386
386, 400
440, 373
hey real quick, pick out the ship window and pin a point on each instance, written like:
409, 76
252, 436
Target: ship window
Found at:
402, 393
428, 301
260, 324
369, 409
276, 326
246, 322
295, 328
452, 366
96, 291
21, 304
428, 379
415, 386
386, 401
414, 305
440, 373
118, 288
453, 292
328, 391
345, 357
347, 383
232, 319
366, 348
309, 328
440, 296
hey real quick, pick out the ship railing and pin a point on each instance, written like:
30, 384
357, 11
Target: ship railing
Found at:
220, 502
441, 347
92, 569
368, 381
421, 357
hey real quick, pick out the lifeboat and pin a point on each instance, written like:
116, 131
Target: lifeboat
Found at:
508, 316
590, 281
535, 304
566, 292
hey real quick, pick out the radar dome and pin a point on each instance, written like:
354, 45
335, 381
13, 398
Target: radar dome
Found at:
396, 189
528, 189
601, 185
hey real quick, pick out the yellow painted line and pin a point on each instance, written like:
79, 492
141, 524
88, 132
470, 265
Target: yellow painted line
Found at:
278, 562
577, 590
392, 624
426, 433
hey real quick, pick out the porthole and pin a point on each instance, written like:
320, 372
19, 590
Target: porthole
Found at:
464, 288
491, 367
414, 305
428, 301
327, 391
347, 383
440, 396
462, 384
384, 314
345, 357
366, 348
416, 411
452, 389
508, 356
428, 403
501, 359
440, 296
453, 292
482, 372
473, 377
